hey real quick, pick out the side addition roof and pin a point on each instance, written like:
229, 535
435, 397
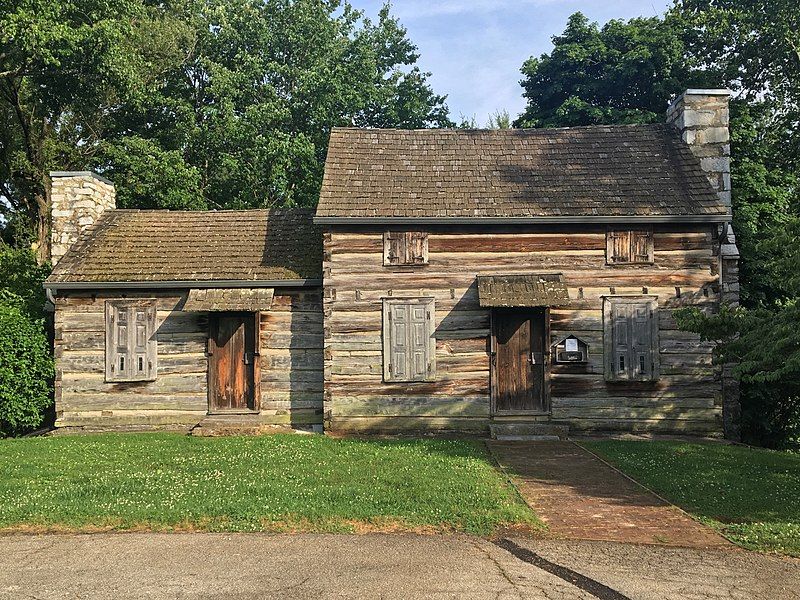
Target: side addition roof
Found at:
157, 246
582, 173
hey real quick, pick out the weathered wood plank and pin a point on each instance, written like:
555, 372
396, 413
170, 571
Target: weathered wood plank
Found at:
672, 386
298, 359
72, 401
645, 413
626, 402
404, 424
93, 361
404, 406
164, 384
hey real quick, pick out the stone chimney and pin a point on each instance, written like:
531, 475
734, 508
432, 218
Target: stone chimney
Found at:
78, 198
703, 119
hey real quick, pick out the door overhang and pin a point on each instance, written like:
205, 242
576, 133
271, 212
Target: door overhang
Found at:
229, 300
522, 291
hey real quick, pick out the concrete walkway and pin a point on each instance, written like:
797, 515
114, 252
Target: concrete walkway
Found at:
222, 566
582, 498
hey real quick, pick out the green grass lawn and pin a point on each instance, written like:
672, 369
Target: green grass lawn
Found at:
751, 496
271, 483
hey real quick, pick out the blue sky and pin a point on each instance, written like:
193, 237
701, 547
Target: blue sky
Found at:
475, 48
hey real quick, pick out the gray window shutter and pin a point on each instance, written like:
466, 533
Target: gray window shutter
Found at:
642, 337
131, 347
621, 351
398, 344
409, 345
631, 344
118, 329
418, 342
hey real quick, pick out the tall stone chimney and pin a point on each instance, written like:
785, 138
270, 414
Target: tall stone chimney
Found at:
703, 118
78, 199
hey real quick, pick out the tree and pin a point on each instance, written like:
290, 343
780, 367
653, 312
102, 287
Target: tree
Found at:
64, 68
624, 72
191, 104
26, 365
499, 119
244, 121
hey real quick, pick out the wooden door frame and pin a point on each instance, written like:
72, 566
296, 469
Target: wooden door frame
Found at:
256, 365
548, 408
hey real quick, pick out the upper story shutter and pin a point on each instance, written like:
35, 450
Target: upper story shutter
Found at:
618, 247
394, 247
417, 246
641, 246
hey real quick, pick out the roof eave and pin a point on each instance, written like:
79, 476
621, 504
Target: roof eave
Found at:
553, 220
180, 284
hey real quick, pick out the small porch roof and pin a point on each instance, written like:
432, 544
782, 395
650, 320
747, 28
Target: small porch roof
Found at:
525, 290
229, 300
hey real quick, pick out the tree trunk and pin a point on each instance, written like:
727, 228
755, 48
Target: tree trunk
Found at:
43, 226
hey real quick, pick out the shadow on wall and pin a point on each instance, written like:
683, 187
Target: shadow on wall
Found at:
465, 320
292, 358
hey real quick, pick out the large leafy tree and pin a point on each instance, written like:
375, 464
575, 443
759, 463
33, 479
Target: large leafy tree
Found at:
754, 47
65, 66
193, 103
623, 72
244, 120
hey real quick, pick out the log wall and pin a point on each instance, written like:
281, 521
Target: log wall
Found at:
291, 364
686, 398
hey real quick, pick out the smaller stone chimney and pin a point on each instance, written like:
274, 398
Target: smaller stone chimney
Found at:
703, 119
78, 199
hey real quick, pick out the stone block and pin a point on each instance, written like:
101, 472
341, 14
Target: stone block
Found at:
702, 118
718, 164
712, 135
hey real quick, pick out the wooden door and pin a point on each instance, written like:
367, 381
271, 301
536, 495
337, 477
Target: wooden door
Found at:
519, 361
232, 362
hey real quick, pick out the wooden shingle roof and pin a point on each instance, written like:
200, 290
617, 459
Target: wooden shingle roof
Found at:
598, 171
160, 245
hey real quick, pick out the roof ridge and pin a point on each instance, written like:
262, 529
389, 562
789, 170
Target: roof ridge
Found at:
507, 131
207, 210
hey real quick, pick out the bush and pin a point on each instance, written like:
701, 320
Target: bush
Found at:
771, 415
26, 369
26, 365
22, 278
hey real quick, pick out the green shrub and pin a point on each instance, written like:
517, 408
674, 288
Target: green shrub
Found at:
22, 278
26, 366
26, 369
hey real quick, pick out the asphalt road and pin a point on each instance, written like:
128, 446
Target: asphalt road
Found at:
221, 566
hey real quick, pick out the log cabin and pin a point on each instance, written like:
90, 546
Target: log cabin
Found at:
513, 282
